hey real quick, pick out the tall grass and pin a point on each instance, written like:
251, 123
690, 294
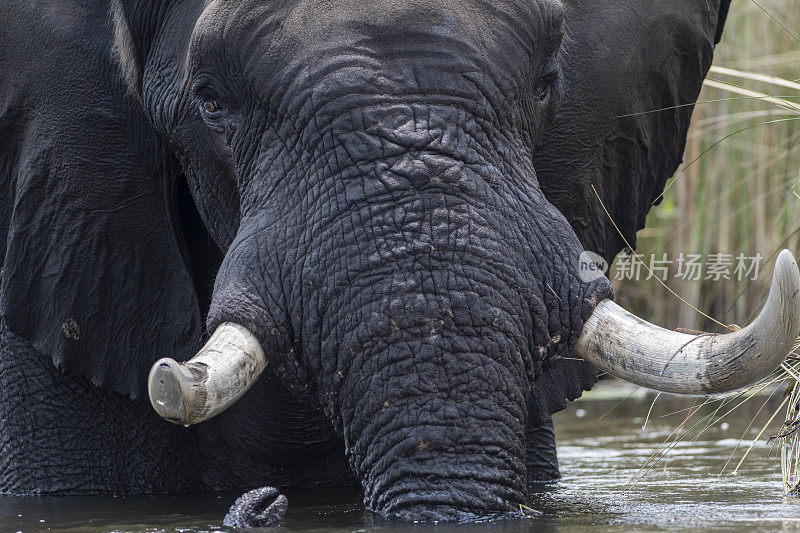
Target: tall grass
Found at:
737, 192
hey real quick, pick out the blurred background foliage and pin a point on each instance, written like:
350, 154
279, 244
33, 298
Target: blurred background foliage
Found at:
738, 190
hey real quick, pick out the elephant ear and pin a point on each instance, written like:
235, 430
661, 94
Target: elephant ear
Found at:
627, 65
93, 274
565, 380
622, 61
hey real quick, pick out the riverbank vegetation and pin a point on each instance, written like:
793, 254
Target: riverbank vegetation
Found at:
732, 206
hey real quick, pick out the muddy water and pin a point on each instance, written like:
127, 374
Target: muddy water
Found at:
599, 459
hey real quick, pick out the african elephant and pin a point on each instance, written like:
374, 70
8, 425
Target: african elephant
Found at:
375, 209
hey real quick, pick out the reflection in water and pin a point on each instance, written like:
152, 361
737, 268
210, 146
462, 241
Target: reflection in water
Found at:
599, 458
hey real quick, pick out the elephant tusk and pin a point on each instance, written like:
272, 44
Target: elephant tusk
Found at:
211, 381
628, 347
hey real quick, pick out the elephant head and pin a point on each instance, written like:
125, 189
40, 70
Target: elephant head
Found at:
381, 241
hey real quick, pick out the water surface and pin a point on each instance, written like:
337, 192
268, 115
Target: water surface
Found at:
603, 487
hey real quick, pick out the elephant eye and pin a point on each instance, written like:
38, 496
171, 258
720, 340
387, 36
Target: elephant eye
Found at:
217, 118
547, 84
544, 91
211, 106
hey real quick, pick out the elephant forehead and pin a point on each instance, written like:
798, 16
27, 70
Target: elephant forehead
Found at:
468, 18
274, 36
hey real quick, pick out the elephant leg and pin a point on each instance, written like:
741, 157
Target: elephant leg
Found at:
60, 435
541, 460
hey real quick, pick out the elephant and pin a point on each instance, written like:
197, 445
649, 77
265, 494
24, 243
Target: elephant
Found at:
308, 243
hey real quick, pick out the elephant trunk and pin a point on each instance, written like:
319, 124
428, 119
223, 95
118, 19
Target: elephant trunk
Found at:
628, 347
416, 464
431, 402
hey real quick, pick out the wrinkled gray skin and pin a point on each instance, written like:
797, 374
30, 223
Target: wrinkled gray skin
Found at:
359, 182
395, 256
257, 508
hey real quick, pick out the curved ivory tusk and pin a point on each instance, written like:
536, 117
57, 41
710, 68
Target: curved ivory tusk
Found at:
630, 348
211, 381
